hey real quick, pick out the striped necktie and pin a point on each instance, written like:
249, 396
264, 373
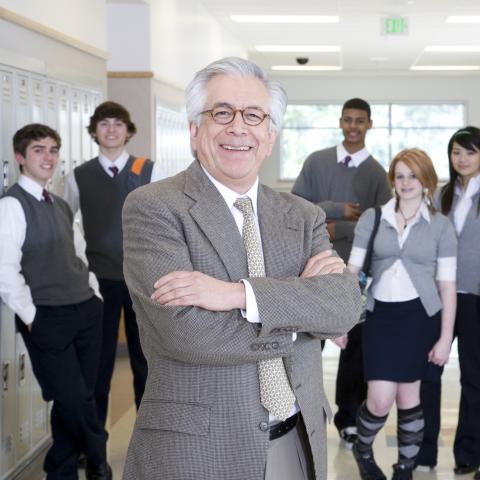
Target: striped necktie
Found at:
114, 170
47, 197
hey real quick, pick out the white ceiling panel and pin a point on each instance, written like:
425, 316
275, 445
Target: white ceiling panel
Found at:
363, 47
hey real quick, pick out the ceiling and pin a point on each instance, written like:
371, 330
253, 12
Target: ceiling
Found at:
363, 48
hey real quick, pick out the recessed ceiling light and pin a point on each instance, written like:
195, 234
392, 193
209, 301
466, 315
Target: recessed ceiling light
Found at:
307, 68
445, 67
379, 59
463, 19
285, 18
297, 48
452, 48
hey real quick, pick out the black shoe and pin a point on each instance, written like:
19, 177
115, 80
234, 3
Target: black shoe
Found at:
402, 472
98, 472
82, 462
477, 475
464, 469
348, 436
367, 467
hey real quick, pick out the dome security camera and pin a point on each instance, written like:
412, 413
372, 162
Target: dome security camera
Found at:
302, 60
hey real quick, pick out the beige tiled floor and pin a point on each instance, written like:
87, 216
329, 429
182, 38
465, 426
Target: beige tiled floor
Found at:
341, 465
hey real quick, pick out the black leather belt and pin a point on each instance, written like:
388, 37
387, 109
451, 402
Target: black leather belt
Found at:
280, 429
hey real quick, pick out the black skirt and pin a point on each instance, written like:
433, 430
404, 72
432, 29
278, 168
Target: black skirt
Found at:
397, 337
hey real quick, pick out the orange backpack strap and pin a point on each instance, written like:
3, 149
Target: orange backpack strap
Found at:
137, 165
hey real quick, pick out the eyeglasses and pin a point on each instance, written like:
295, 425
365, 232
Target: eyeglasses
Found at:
225, 115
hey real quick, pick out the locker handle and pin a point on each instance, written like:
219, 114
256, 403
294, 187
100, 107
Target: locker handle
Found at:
21, 366
5, 374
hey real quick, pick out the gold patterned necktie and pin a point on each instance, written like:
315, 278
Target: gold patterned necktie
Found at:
276, 394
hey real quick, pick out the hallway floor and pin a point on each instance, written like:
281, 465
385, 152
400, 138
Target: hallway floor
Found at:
341, 465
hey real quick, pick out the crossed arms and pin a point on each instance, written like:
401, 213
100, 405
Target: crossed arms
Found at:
195, 316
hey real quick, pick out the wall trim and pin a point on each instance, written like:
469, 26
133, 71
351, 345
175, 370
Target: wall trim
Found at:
130, 74
37, 27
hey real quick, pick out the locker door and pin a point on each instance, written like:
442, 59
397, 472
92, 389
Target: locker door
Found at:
37, 113
87, 108
22, 100
75, 130
7, 129
8, 398
51, 105
39, 414
63, 128
51, 118
24, 399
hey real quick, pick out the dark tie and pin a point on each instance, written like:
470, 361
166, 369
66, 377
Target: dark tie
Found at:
347, 160
276, 394
47, 197
114, 170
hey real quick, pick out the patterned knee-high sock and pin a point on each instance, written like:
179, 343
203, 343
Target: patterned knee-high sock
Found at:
368, 425
410, 426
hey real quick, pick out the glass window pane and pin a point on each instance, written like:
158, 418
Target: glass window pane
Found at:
440, 115
377, 143
308, 116
313, 127
433, 140
296, 145
380, 116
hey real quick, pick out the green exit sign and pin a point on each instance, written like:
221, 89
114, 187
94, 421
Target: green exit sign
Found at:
394, 25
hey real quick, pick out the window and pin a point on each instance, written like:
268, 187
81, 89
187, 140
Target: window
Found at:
395, 126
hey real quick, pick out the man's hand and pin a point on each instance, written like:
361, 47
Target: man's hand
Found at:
323, 263
195, 289
341, 341
29, 328
351, 211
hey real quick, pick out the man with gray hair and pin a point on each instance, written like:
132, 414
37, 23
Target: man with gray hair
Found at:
234, 286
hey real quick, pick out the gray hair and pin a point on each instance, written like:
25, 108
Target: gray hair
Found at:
195, 93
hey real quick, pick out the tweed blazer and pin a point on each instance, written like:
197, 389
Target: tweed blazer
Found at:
201, 417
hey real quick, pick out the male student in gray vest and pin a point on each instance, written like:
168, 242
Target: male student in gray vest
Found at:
99, 188
345, 180
44, 279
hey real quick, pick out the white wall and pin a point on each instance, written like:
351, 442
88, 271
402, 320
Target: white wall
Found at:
185, 37
83, 20
384, 88
128, 37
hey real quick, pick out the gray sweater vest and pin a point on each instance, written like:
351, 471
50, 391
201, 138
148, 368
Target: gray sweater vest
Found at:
101, 202
330, 185
50, 266
468, 260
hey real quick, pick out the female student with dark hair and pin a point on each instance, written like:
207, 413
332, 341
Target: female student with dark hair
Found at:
410, 308
460, 200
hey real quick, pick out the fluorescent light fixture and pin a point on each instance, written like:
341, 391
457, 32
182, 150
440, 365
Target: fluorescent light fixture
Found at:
445, 67
463, 19
285, 18
452, 48
297, 48
306, 68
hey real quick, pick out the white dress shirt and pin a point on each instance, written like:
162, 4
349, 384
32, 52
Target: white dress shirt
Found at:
357, 157
395, 284
13, 288
71, 194
464, 203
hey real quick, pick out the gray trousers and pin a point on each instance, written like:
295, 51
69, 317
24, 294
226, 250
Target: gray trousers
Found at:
289, 457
